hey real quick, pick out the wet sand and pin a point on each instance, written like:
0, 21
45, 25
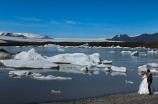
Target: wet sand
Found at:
127, 98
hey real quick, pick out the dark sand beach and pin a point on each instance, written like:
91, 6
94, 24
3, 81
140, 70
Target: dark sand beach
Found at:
127, 98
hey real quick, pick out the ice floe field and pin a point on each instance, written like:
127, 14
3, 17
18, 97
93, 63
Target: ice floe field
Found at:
56, 73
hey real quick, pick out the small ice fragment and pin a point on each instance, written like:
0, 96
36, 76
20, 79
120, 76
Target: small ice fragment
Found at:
130, 82
56, 92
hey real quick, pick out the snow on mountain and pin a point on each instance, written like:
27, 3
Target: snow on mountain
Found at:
25, 35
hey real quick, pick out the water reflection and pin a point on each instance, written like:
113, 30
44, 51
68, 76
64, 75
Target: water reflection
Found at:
117, 73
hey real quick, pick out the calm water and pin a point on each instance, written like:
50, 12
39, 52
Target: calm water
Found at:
93, 84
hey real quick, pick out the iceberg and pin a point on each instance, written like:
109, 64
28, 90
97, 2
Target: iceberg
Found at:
33, 64
81, 63
37, 76
135, 53
118, 69
126, 52
145, 68
29, 55
70, 58
101, 66
153, 65
106, 62
95, 57
106, 69
56, 92
152, 51
51, 77
19, 73
130, 82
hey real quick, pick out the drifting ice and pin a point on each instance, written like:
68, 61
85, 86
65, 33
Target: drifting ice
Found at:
135, 53
40, 64
56, 92
118, 69
106, 62
130, 82
70, 58
29, 55
38, 76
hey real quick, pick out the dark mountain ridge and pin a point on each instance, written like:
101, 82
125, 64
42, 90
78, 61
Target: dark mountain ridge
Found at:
139, 38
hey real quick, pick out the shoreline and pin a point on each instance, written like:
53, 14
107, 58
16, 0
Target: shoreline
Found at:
103, 44
125, 98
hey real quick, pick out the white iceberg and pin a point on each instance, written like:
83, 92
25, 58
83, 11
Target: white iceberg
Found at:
38, 76
81, 63
135, 53
145, 68
153, 65
51, 77
56, 92
95, 57
101, 66
106, 69
126, 52
152, 51
29, 55
130, 82
70, 58
40, 64
19, 73
118, 69
106, 62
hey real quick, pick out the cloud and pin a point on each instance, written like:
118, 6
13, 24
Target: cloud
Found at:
19, 24
70, 22
54, 22
28, 19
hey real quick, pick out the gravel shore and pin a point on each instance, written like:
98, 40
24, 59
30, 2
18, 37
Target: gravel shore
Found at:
127, 98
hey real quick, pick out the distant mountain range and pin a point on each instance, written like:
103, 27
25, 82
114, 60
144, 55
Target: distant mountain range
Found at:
24, 35
138, 38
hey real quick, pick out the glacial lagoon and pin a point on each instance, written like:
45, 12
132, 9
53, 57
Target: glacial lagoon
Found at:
25, 90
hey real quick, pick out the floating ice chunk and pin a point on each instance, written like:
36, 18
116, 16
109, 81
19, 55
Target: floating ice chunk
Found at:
130, 82
81, 63
153, 65
68, 58
144, 68
60, 49
117, 73
50, 77
40, 64
135, 53
30, 55
84, 69
19, 73
106, 62
106, 69
101, 66
95, 57
126, 52
38, 76
118, 69
152, 51
56, 92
